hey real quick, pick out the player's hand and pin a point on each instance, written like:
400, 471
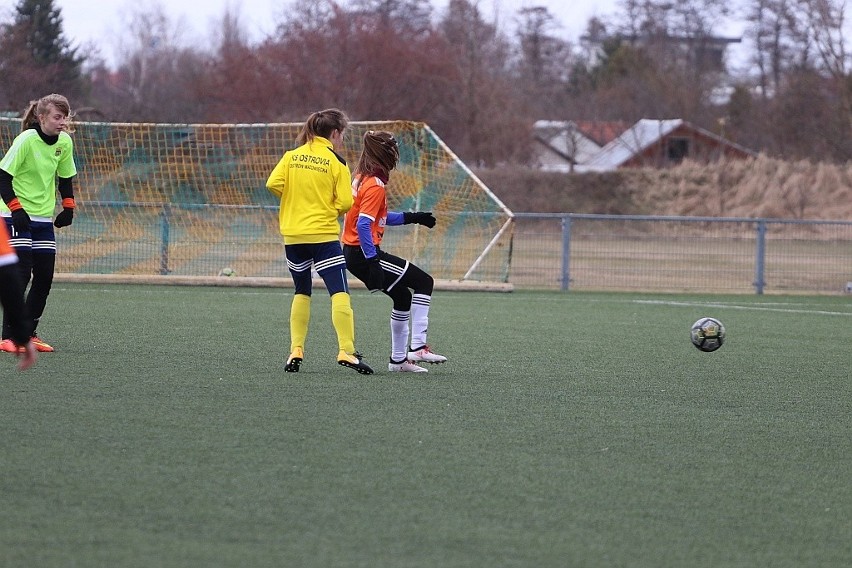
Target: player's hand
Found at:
65, 217
376, 277
21, 221
27, 357
424, 218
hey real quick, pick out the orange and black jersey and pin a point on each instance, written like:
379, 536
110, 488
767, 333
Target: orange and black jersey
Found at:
364, 224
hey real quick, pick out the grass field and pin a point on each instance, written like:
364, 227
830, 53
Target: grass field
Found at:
567, 430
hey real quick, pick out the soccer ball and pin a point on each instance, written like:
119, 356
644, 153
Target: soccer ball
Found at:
227, 271
707, 334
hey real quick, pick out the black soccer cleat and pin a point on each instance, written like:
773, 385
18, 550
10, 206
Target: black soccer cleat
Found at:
354, 361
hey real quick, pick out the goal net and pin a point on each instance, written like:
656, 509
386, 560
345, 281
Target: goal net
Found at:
191, 199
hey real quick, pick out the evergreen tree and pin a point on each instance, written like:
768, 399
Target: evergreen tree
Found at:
36, 58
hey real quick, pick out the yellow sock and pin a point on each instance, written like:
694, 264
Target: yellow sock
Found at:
344, 321
300, 315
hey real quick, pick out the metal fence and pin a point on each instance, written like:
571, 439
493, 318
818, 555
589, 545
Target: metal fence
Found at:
681, 254
545, 251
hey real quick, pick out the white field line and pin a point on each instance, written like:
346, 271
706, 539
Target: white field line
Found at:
762, 307
736, 307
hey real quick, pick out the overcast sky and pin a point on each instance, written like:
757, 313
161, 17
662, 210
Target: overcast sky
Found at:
99, 22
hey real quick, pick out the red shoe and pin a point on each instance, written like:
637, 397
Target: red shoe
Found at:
8, 346
41, 345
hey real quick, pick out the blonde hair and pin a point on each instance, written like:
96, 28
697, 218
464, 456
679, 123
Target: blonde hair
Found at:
380, 153
322, 123
42, 106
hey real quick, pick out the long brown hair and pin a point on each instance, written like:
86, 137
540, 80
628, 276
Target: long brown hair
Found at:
42, 106
379, 155
322, 123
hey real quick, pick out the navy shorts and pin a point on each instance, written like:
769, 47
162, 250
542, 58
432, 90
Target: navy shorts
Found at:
326, 258
40, 239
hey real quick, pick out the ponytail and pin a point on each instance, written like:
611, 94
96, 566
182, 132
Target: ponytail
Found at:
42, 106
322, 123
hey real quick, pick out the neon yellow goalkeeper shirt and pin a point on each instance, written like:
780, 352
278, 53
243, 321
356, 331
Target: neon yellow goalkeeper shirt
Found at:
34, 166
314, 186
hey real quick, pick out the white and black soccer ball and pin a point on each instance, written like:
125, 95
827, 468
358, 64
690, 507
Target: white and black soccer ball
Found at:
707, 334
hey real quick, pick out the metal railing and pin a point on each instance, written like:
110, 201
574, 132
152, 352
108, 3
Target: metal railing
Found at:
573, 251
561, 251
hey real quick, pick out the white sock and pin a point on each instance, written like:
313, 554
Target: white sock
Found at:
399, 335
419, 319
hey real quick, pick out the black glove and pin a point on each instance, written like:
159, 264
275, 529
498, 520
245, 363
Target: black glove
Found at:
375, 276
21, 221
420, 217
64, 218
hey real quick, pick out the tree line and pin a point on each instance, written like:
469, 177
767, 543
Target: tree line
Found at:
478, 83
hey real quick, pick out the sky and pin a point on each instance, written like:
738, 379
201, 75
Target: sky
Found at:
99, 22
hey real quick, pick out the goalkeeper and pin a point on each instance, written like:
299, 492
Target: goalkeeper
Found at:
12, 299
312, 183
39, 162
408, 286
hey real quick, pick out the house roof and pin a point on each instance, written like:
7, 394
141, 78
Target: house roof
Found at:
565, 140
631, 142
639, 137
602, 132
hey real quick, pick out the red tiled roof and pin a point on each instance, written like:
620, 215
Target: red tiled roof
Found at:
601, 132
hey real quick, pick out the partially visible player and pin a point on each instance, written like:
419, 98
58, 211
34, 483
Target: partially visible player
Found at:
12, 300
40, 161
363, 229
313, 184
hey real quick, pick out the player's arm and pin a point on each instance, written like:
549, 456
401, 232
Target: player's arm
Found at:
364, 226
343, 199
20, 218
424, 218
66, 191
277, 181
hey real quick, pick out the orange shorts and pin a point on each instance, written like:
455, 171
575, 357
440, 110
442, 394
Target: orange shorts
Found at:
5, 247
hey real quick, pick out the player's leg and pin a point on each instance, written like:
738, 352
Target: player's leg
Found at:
394, 269
43, 268
331, 267
422, 284
23, 245
399, 324
299, 261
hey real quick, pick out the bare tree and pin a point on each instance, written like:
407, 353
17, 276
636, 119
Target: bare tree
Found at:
486, 120
544, 62
156, 73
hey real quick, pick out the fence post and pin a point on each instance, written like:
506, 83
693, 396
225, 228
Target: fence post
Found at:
566, 252
760, 260
165, 221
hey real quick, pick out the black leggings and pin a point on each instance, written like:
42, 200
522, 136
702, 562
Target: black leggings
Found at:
39, 268
401, 277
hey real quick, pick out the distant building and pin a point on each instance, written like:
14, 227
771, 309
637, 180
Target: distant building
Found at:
605, 146
705, 52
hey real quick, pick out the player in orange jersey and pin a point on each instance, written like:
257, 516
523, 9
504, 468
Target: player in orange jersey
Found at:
12, 299
408, 285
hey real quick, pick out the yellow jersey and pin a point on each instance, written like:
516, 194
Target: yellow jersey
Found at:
313, 185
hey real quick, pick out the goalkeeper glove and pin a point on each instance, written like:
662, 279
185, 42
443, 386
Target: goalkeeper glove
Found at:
66, 216
21, 221
421, 218
375, 275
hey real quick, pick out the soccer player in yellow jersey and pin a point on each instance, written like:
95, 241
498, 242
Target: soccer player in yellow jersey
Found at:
313, 184
39, 162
